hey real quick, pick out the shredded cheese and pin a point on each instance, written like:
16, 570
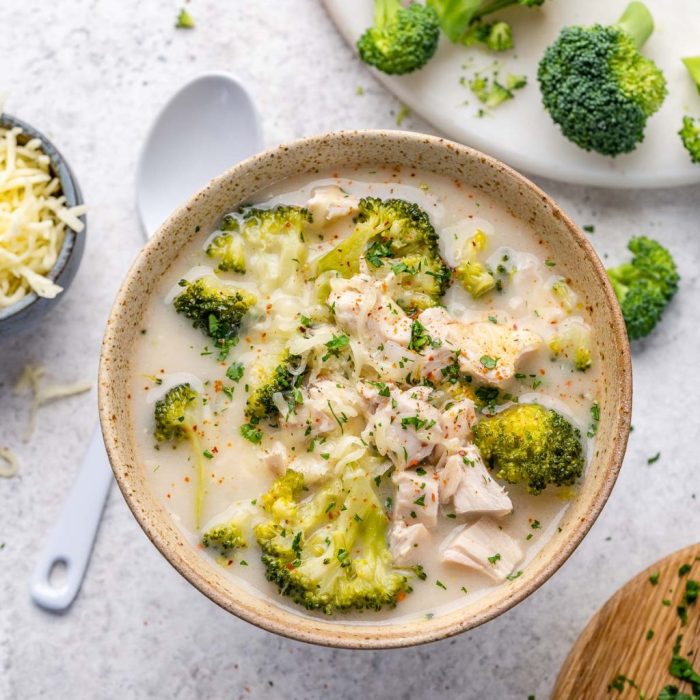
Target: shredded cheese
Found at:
33, 219
30, 382
11, 467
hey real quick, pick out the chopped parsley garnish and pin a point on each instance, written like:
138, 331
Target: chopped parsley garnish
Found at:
208, 454
235, 371
488, 361
420, 338
653, 459
441, 584
654, 579
251, 433
595, 415
383, 388
417, 422
493, 559
335, 345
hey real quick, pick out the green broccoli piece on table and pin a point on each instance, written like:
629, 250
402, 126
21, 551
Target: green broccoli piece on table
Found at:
462, 21
645, 285
690, 136
496, 36
395, 236
228, 249
176, 417
329, 552
216, 308
597, 86
280, 380
402, 39
690, 130
531, 445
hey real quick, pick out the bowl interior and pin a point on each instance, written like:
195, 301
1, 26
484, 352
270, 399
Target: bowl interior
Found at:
568, 246
73, 243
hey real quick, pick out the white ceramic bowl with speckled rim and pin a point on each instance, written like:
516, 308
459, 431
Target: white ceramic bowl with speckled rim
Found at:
339, 151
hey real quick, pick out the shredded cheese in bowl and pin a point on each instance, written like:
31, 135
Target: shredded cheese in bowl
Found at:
34, 218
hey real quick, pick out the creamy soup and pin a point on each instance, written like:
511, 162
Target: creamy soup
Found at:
381, 387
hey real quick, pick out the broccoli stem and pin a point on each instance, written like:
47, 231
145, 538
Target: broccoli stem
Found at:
637, 22
199, 486
384, 11
488, 7
692, 64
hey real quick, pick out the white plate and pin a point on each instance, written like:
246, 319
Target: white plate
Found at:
520, 132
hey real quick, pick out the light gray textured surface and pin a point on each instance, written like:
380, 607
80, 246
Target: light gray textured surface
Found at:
92, 75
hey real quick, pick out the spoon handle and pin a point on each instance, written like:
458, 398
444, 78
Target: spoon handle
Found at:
70, 541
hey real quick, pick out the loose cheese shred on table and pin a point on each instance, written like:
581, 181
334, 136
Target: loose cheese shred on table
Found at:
33, 219
9, 465
30, 380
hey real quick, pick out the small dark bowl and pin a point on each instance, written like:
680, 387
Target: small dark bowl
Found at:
26, 312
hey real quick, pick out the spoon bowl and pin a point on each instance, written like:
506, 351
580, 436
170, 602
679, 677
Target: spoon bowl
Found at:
207, 126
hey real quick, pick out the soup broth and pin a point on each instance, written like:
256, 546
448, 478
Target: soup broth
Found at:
331, 421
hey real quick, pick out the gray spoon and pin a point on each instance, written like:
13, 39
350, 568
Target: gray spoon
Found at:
206, 127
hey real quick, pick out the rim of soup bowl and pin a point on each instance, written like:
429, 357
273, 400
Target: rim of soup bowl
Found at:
319, 154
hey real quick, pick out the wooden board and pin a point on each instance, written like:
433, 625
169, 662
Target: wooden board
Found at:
615, 640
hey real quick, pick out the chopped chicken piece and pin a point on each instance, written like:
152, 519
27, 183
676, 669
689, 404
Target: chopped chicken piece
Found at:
320, 401
489, 351
275, 458
408, 543
416, 497
311, 466
365, 310
404, 426
482, 546
456, 423
330, 203
363, 307
465, 481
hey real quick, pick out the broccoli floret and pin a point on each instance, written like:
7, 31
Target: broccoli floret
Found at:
217, 309
458, 17
329, 552
473, 275
497, 36
690, 131
394, 236
281, 380
645, 286
228, 249
402, 39
597, 86
690, 136
531, 445
224, 538
259, 225
176, 416
573, 342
